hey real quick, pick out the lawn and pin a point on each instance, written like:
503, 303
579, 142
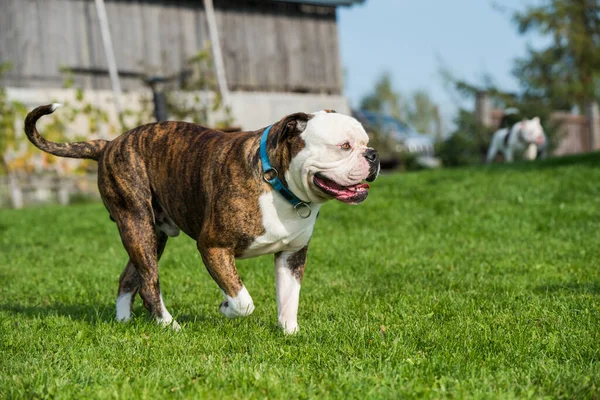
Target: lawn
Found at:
465, 283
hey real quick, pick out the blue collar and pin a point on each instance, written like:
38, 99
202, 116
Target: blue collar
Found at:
302, 208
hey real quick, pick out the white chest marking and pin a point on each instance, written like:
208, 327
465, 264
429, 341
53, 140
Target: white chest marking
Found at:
284, 229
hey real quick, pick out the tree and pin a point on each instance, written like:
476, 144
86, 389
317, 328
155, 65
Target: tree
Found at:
423, 113
418, 109
384, 99
567, 71
467, 144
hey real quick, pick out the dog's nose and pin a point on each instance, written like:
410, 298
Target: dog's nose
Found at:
372, 156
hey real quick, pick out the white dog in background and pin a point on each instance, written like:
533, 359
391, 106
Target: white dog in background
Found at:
525, 137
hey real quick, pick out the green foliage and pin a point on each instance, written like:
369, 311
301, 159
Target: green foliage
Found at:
408, 162
418, 109
423, 113
200, 106
467, 145
384, 99
17, 152
10, 139
567, 71
460, 283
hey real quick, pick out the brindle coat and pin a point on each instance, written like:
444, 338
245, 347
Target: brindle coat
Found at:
160, 171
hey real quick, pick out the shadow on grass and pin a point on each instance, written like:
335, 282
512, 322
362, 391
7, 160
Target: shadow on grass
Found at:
94, 314
187, 318
571, 288
88, 313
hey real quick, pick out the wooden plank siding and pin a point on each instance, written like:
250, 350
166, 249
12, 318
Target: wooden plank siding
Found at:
267, 46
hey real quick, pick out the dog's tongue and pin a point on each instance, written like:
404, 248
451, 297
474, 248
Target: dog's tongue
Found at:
349, 194
354, 195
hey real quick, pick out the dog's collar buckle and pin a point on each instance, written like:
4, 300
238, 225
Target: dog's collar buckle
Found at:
303, 206
271, 176
273, 173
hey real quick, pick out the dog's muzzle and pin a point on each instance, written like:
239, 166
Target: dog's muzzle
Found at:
372, 157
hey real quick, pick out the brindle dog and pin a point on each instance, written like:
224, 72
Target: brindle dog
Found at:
160, 178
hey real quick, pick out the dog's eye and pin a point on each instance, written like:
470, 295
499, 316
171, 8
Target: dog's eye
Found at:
346, 146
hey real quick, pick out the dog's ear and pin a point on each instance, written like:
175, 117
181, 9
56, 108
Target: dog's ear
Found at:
523, 123
293, 125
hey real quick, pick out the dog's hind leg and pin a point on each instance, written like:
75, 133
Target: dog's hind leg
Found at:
132, 211
508, 155
124, 185
492, 151
130, 282
141, 241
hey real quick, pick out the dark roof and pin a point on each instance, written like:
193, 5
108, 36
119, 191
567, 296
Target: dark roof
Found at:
326, 2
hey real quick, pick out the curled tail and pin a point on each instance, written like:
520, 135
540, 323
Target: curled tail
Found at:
91, 149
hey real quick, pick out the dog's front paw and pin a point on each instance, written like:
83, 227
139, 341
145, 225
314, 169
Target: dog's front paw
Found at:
289, 328
230, 310
175, 326
172, 324
239, 306
168, 321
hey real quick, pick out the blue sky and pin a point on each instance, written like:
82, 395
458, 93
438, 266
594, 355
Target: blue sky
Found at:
411, 39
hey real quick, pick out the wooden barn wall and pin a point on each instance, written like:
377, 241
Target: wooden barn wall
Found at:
266, 46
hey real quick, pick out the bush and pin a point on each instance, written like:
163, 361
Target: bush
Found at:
467, 145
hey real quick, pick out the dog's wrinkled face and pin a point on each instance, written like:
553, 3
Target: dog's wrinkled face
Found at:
335, 160
532, 131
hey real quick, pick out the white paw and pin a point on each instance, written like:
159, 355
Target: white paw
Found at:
124, 307
234, 312
289, 327
123, 319
175, 326
168, 321
239, 306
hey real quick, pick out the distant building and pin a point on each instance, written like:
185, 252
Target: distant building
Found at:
280, 56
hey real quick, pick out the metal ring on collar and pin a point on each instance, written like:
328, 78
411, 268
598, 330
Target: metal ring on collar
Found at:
267, 171
305, 206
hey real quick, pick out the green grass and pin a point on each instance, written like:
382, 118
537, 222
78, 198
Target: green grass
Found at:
477, 283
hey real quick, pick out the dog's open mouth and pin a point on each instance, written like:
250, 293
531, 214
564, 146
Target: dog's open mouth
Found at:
347, 194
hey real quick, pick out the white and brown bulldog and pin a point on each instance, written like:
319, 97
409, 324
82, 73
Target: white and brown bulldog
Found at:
239, 195
525, 137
